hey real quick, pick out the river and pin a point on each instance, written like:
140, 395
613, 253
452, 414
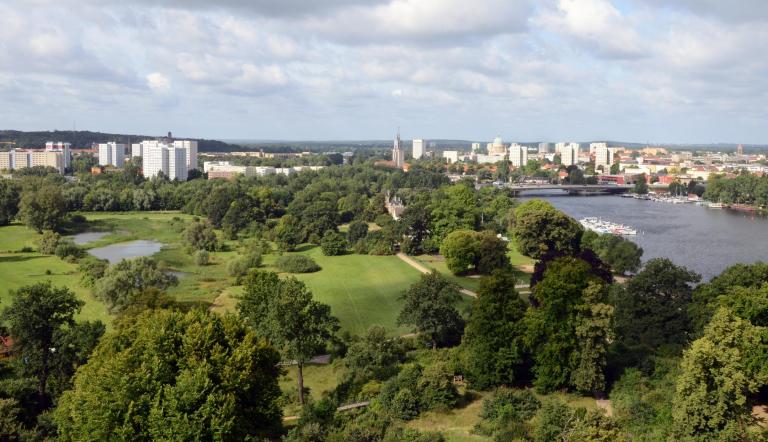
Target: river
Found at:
704, 240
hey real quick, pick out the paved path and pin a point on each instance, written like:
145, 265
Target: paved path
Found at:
418, 266
342, 408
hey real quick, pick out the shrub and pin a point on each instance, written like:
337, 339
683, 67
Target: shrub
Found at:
92, 269
201, 236
67, 248
417, 389
361, 247
26, 249
202, 257
48, 242
239, 267
77, 219
333, 244
296, 264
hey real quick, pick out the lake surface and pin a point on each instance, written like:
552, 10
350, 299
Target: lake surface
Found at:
704, 240
126, 250
86, 237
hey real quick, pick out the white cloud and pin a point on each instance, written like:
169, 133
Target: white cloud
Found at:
158, 82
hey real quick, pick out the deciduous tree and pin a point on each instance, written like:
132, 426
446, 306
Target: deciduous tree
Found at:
430, 308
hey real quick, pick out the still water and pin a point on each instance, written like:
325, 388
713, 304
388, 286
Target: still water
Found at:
126, 250
86, 237
704, 240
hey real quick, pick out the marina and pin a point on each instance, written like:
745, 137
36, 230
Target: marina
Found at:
599, 225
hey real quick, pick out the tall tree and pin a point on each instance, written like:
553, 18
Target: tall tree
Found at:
43, 209
284, 312
36, 315
288, 233
494, 333
9, 201
652, 308
711, 400
430, 308
539, 230
175, 376
123, 282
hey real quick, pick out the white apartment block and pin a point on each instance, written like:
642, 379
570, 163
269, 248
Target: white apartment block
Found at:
518, 155
489, 159
543, 147
604, 156
594, 146
154, 160
64, 148
190, 146
452, 156
418, 148
136, 150
178, 167
112, 154
569, 153
475, 148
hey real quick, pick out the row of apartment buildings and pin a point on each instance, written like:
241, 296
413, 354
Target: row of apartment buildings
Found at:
56, 154
224, 169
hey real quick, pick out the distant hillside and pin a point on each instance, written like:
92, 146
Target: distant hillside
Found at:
84, 138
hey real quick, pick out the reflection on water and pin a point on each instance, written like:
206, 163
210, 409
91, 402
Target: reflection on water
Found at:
704, 240
126, 250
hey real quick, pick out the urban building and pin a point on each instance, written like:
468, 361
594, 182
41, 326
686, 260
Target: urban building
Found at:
569, 154
603, 157
489, 159
418, 149
452, 156
518, 155
594, 146
64, 148
20, 159
189, 146
475, 148
136, 150
544, 148
154, 160
398, 154
497, 147
112, 154
178, 166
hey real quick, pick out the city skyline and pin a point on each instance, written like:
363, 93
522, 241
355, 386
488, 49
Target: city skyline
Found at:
636, 70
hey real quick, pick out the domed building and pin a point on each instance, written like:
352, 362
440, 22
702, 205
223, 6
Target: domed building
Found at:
497, 147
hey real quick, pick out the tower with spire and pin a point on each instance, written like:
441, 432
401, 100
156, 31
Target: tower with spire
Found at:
398, 153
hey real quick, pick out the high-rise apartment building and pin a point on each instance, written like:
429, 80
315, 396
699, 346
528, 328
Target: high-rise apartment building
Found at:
20, 159
518, 155
64, 148
190, 146
603, 156
136, 150
112, 154
569, 153
154, 160
543, 147
418, 149
178, 166
475, 148
594, 146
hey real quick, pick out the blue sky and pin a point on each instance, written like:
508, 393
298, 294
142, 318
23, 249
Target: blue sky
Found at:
676, 71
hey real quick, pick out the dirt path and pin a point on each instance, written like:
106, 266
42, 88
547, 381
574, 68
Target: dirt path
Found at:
605, 404
411, 262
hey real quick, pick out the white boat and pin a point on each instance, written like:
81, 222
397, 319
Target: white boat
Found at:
601, 226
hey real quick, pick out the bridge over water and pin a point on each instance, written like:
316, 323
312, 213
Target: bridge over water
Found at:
574, 189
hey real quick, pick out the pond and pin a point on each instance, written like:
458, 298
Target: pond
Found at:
86, 237
126, 250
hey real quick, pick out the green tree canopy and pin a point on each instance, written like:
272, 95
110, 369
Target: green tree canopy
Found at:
652, 307
539, 229
711, 400
175, 376
200, 236
123, 282
9, 201
482, 252
43, 209
35, 320
494, 334
283, 312
430, 308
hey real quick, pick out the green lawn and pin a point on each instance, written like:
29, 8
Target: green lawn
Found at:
318, 378
362, 290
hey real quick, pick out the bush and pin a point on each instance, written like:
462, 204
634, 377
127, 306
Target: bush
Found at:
417, 389
202, 257
333, 244
92, 269
239, 267
505, 414
200, 236
48, 242
67, 248
77, 219
296, 264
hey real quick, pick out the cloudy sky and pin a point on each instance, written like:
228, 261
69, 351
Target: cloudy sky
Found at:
633, 70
